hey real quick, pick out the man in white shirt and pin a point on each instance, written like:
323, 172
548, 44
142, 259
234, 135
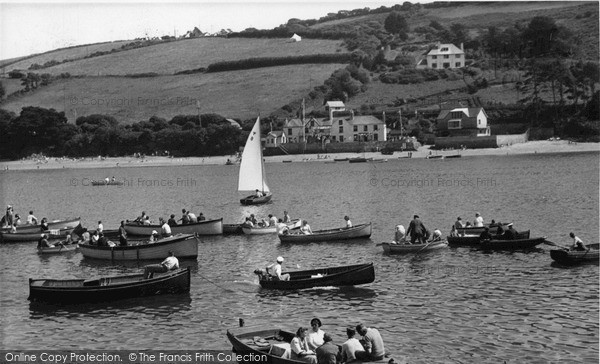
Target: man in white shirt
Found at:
351, 346
275, 270
577, 243
170, 263
31, 220
192, 217
258, 194
272, 220
478, 220
165, 228
100, 227
348, 222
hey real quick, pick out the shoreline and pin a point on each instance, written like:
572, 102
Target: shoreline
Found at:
533, 147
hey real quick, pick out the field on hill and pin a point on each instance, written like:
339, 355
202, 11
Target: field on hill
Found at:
235, 94
66, 53
187, 54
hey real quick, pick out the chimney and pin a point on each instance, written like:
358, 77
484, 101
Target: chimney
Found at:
462, 48
384, 118
352, 114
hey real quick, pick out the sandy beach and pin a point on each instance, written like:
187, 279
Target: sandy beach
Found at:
533, 147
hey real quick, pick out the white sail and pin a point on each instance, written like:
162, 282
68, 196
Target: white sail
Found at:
252, 168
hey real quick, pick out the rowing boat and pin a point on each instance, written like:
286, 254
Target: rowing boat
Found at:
19, 237
271, 229
355, 232
205, 227
473, 240
476, 230
264, 344
52, 225
349, 275
515, 244
182, 246
571, 257
109, 183
68, 291
57, 249
413, 248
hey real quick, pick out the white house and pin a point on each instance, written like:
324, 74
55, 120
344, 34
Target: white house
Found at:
444, 56
357, 129
295, 38
275, 138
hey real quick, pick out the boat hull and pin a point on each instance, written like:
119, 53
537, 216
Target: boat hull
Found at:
58, 249
183, 246
413, 248
269, 229
28, 237
253, 200
356, 232
572, 257
516, 244
472, 230
111, 183
232, 229
350, 275
108, 288
54, 225
473, 240
206, 227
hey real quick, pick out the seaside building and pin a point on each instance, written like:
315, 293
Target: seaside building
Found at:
443, 56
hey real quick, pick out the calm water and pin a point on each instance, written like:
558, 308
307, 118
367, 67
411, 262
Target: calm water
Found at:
454, 305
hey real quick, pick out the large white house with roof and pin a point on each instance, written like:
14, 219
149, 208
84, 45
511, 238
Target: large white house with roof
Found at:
444, 56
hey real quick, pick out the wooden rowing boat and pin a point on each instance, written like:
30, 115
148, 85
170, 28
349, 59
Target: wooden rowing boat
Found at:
355, 232
109, 183
476, 230
182, 246
515, 244
206, 227
35, 236
52, 225
264, 344
413, 248
68, 291
260, 230
473, 240
349, 275
58, 249
232, 229
571, 257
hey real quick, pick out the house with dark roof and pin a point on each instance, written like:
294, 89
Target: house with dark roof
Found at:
443, 56
463, 121
275, 138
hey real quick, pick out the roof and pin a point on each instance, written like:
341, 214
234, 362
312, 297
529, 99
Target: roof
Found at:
364, 120
293, 123
276, 133
469, 112
234, 123
335, 104
445, 49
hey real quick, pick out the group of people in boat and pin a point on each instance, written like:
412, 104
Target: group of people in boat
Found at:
187, 217
315, 346
417, 232
12, 221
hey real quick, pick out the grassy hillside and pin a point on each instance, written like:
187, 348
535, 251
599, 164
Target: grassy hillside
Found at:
236, 94
171, 57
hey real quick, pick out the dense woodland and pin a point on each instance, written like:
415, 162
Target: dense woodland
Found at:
549, 58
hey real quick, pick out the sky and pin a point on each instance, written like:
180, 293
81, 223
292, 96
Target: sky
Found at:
34, 27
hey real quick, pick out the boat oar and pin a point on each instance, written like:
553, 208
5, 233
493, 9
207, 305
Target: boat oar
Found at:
426, 245
554, 244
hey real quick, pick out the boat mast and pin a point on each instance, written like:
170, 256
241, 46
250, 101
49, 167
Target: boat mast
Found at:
262, 166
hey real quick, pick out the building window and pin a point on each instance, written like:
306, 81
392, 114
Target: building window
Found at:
434, 65
457, 56
446, 56
458, 64
355, 128
341, 138
375, 127
340, 122
454, 124
341, 129
333, 138
444, 49
366, 128
433, 57
290, 131
456, 114
375, 137
446, 65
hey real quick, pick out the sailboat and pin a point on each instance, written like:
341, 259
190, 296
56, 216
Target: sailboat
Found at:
252, 170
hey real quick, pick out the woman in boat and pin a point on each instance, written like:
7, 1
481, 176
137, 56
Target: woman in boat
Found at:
437, 236
399, 235
306, 230
315, 337
300, 350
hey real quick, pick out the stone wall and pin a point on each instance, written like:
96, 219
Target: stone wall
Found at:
493, 141
348, 147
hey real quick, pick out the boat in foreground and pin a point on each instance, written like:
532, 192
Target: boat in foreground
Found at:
355, 232
571, 257
473, 240
52, 225
264, 344
515, 244
182, 246
349, 275
413, 248
68, 291
252, 169
205, 227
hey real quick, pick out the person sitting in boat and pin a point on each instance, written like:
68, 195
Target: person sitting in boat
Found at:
13, 228
351, 346
275, 270
95, 238
299, 348
44, 224
172, 222
201, 217
253, 219
399, 235
31, 219
372, 343
305, 228
328, 353
500, 229
192, 216
485, 235
272, 220
165, 228
417, 231
453, 232
286, 217
185, 218
511, 233
17, 220
348, 222
140, 219
315, 335
122, 234
106, 180
578, 244
170, 263
478, 220
43, 242
147, 221
258, 194
282, 228
248, 223
69, 240
153, 237
468, 225
113, 179
437, 236
458, 224
85, 237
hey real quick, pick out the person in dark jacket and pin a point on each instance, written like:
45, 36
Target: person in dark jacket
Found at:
417, 231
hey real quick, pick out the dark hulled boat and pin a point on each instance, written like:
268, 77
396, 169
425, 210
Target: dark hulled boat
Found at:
349, 275
515, 244
67, 291
571, 257
473, 240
